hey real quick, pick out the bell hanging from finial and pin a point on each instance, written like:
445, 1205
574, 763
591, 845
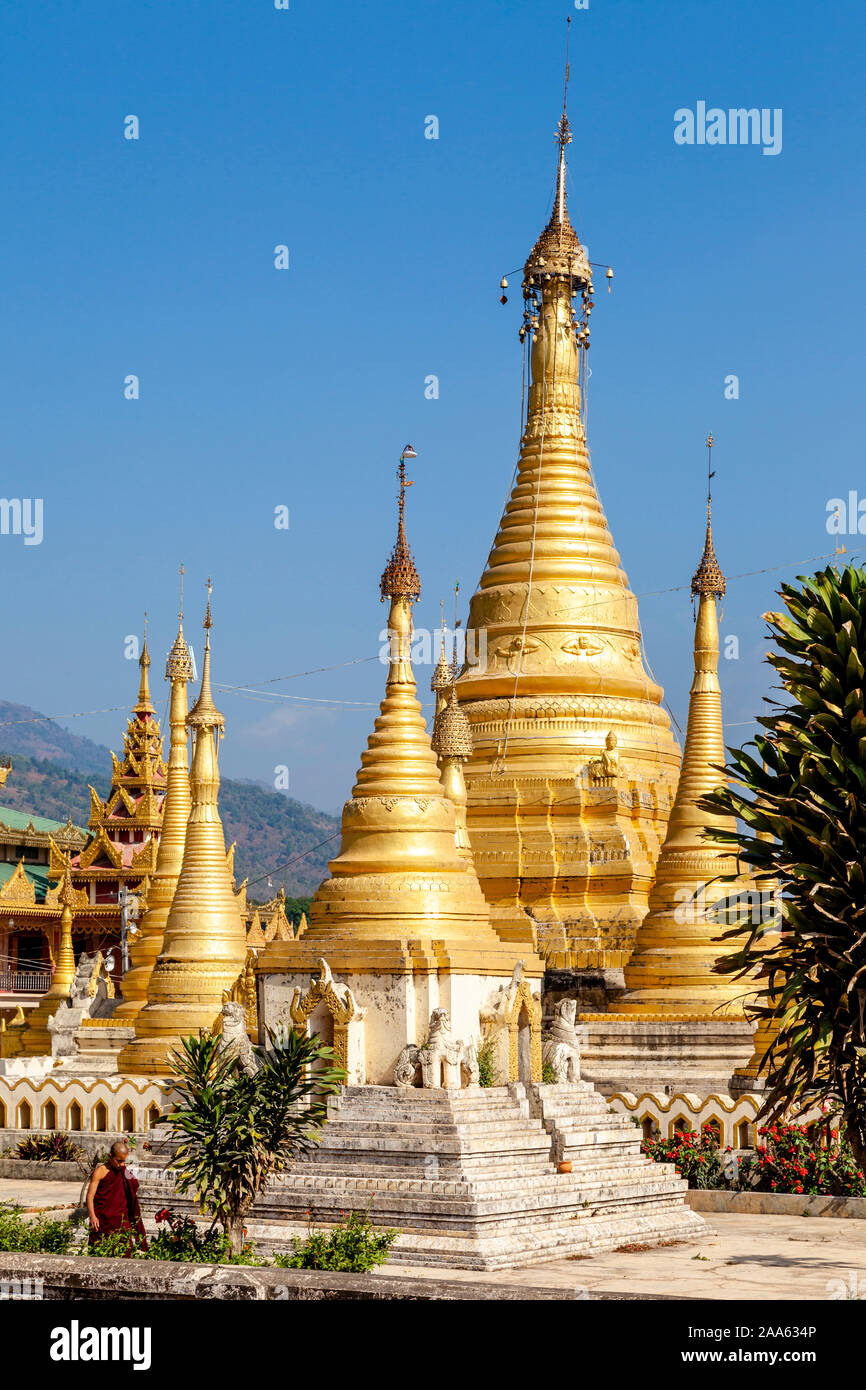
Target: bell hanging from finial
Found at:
609, 274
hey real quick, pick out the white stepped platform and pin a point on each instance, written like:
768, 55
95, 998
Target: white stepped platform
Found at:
470, 1179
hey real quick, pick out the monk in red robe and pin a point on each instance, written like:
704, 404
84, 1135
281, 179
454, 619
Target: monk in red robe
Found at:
112, 1198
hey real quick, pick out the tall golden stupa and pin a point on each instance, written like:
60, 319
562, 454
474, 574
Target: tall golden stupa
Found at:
678, 944
169, 859
574, 765
401, 917
204, 949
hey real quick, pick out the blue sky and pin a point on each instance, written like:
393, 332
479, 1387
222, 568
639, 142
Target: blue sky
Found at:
261, 388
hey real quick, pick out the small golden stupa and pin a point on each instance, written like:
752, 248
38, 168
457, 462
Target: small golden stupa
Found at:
564, 859
204, 949
33, 1037
148, 942
401, 918
672, 968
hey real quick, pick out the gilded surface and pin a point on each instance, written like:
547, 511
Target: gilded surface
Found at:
672, 969
148, 941
563, 665
400, 897
204, 948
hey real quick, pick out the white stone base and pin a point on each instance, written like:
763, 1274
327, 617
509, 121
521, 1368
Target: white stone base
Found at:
397, 1012
470, 1177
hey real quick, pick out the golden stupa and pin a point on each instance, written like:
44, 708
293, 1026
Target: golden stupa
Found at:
678, 944
572, 775
148, 942
33, 1037
401, 916
204, 949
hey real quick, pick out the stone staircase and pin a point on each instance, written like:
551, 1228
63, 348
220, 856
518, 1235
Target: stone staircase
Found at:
470, 1177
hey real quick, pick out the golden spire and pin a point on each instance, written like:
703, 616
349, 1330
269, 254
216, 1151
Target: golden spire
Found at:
708, 577
204, 713
452, 744
400, 578
204, 949
400, 898
147, 942
672, 968
562, 861
444, 671
144, 707
34, 1038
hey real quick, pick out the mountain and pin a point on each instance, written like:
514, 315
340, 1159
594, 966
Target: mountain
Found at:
52, 770
26, 732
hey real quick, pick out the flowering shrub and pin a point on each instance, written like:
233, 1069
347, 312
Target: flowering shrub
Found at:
697, 1157
351, 1246
790, 1160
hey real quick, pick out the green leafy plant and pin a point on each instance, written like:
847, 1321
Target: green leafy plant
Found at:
354, 1246
792, 1160
801, 802
488, 1074
48, 1148
548, 1075
122, 1244
236, 1130
40, 1234
699, 1158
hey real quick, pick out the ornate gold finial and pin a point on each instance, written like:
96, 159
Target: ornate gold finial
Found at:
178, 665
558, 251
204, 713
444, 670
452, 732
144, 705
708, 577
400, 578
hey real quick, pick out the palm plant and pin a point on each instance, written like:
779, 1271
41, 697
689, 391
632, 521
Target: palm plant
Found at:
236, 1130
801, 801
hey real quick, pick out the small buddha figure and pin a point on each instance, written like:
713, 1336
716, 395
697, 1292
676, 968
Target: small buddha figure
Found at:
603, 770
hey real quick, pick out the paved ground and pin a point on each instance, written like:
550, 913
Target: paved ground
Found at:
749, 1257
32, 1193
744, 1256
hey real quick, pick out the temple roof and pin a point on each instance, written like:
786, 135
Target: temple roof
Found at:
23, 820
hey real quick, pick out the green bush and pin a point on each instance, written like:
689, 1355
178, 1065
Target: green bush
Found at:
487, 1073
178, 1239
48, 1148
40, 1235
548, 1075
353, 1246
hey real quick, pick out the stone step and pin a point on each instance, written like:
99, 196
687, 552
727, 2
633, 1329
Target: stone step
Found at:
481, 1127
515, 1140
436, 1115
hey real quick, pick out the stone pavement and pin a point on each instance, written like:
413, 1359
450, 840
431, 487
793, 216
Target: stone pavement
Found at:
760, 1258
747, 1257
33, 1192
